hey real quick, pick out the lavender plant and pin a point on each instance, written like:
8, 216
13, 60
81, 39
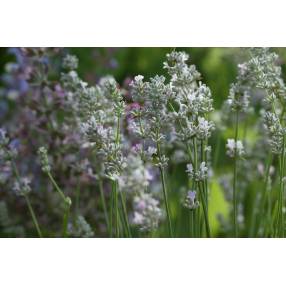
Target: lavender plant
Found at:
194, 104
21, 185
135, 160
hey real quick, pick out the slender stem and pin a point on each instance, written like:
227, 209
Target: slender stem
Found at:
265, 194
163, 181
198, 220
207, 225
202, 189
166, 201
205, 181
193, 215
234, 180
125, 215
33, 216
281, 191
195, 154
191, 221
67, 202
57, 187
104, 204
65, 220
269, 228
194, 222
111, 209
35, 221
114, 189
115, 183
118, 131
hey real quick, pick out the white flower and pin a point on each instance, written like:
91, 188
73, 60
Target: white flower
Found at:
191, 201
44, 160
151, 151
135, 176
80, 228
22, 187
199, 175
70, 62
147, 212
204, 128
234, 148
190, 169
4, 140
138, 218
139, 78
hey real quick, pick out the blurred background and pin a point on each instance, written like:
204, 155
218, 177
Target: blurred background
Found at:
217, 65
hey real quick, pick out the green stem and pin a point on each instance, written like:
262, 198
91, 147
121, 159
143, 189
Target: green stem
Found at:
35, 221
235, 180
118, 131
194, 222
207, 225
67, 202
205, 182
114, 187
166, 201
65, 220
115, 183
111, 209
281, 191
125, 214
201, 192
163, 181
104, 205
265, 194
57, 187
33, 216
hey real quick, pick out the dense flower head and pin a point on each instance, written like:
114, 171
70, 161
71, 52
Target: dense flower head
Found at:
135, 176
234, 148
260, 71
197, 175
153, 119
8, 147
154, 94
192, 98
204, 128
44, 160
147, 213
266, 71
275, 131
70, 62
238, 98
80, 228
22, 186
71, 81
138, 88
182, 75
191, 201
4, 140
96, 133
98, 111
